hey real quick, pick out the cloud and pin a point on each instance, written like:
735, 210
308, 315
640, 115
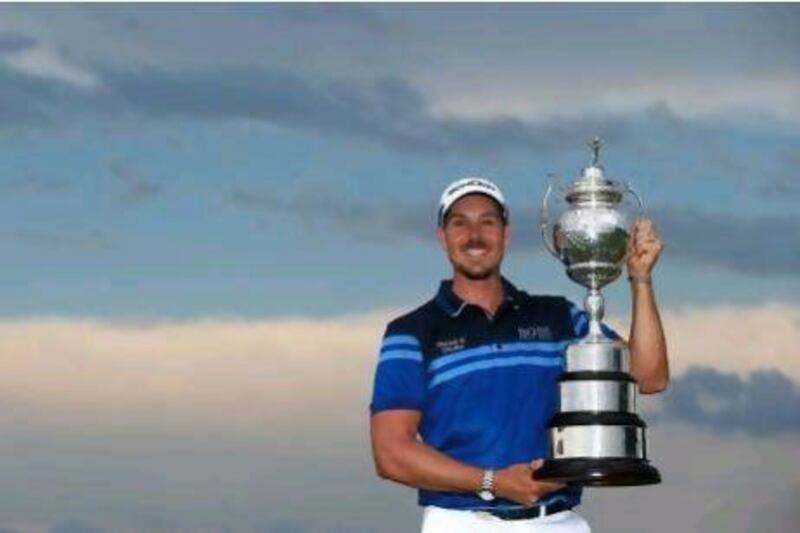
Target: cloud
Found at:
717, 239
731, 368
15, 42
45, 63
30, 99
757, 245
731, 339
371, 221
509, 61
389, 111
86, 369
753, 483
96, 368
170, 415
392, 109
764, 404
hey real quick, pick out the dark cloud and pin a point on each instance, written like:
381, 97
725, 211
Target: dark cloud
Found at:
15, 42
31, 101
764, 404
723, 240
389, 111
759, 246
373, 222
765, 245
22, 98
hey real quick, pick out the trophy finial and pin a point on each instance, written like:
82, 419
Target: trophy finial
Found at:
595, 146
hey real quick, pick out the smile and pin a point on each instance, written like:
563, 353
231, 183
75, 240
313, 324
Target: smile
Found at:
476, 252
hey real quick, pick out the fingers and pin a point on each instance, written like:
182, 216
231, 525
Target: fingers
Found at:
544, 486
645, 239
644, 227
517, 483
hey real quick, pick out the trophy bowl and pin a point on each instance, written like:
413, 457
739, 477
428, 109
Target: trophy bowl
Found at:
592, 244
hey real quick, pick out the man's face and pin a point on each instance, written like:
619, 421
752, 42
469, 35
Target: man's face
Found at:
474, 236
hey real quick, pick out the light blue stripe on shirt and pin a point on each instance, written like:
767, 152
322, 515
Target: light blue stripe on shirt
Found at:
521, 360
486, 349
395, 355
394, 340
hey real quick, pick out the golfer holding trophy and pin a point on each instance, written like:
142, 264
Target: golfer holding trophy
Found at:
473, 386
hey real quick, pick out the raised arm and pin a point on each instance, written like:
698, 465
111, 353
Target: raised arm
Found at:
649, 364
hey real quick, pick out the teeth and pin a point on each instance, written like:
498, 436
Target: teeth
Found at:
475, 253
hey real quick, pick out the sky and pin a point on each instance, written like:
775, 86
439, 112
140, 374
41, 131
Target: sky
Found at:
208, 213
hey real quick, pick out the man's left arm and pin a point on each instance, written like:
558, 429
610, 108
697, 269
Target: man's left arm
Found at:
648, 346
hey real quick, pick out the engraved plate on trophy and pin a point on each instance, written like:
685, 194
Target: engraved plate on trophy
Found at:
596, 437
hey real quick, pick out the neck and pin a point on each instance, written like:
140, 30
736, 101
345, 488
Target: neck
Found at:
485, 293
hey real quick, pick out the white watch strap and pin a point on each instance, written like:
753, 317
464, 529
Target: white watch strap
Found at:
487, 484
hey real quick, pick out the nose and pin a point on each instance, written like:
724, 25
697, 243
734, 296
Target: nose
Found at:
475, 231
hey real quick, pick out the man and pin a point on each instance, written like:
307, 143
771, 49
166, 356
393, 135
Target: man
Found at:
461, 404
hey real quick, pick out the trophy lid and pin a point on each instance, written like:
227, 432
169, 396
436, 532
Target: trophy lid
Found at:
592, 184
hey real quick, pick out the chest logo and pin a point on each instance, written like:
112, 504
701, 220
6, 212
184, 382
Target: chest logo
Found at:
530, 333
451, 345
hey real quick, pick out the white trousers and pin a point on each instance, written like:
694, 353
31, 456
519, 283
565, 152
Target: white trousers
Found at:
439, 520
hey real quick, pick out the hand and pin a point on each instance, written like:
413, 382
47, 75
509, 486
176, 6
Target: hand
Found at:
516, 483
644, 248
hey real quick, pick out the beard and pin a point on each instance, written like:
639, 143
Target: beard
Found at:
475, 274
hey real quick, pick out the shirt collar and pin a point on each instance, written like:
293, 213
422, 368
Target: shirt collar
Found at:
451, 304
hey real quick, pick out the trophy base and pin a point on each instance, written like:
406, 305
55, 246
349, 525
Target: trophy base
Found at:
599, 472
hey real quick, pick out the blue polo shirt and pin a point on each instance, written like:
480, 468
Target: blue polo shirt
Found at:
486, 386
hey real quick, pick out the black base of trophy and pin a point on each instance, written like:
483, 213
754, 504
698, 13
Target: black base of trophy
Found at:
599, 472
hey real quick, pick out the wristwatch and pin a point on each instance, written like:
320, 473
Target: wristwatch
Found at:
486, 492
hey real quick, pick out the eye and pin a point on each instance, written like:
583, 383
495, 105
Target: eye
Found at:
457, 222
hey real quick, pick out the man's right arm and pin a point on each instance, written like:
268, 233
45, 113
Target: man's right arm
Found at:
400, 456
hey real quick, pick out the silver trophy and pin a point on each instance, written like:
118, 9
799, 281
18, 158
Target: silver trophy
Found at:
596, 437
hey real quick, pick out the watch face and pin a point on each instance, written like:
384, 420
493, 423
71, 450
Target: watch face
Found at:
486, 495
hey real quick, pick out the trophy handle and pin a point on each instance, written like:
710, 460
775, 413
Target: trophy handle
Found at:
630, 189
544, 220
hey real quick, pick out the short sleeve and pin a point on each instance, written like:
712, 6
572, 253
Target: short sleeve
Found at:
580, 323
399, 376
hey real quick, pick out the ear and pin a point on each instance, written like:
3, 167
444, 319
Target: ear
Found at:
440, 236
507, 233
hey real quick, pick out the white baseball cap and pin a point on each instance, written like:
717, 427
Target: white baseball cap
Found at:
471, 185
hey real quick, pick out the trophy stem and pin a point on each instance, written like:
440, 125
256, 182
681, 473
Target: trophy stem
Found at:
595, 307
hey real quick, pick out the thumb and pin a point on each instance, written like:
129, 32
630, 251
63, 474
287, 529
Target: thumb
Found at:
536, 464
